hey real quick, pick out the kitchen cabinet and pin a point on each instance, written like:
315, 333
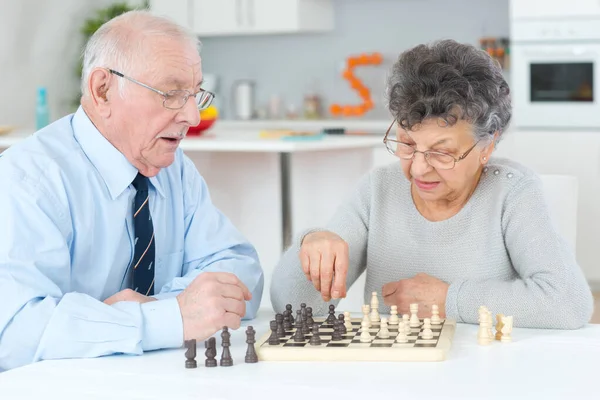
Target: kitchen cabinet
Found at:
249, 17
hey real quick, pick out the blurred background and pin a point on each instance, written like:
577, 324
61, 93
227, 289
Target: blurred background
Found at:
300, 109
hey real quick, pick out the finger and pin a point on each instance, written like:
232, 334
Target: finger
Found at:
326, 275
232, 320
305, 262
315, 270
231, 279
234, 306
340, 263
232, 291
389, 289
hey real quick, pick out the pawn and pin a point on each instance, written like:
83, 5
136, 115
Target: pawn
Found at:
343, 329
287, 322
427, 332
299, 335
305, 327
251, 356
435, 315
394, 315
309, 317
374, 308
273, 339
315, 339
365, 310
337, 334
288, 308
365, 336
347, 321
298, 324
331, 316
401, 338
384, 333
280, 328
190, 354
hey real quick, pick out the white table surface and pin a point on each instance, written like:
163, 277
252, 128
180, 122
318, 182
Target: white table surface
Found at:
538, 364
247, 140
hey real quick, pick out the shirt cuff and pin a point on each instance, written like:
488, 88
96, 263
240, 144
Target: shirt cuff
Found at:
452, 301
166, 295
163, 325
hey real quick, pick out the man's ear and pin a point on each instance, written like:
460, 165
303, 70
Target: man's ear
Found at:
99, 87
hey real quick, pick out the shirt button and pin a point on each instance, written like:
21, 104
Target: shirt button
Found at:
496, 172
509, 175
485, 169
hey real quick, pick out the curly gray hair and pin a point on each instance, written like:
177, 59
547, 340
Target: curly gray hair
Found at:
451, 81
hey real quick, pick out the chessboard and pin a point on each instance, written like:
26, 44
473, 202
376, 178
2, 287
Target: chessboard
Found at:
351, 348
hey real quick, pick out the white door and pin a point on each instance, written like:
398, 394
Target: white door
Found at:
217, 17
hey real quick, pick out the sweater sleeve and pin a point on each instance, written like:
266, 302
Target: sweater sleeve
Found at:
351, 223
550, 290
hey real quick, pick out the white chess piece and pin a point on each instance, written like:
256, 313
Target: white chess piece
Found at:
365, 336
427, 332
490, 321
401, 338
483, 335
347, 321
414, 318
435, 315
394, 315
365, 310
506, 329
406, 320
374, 307
384, 333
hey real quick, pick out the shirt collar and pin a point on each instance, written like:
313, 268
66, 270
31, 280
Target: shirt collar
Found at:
115, 169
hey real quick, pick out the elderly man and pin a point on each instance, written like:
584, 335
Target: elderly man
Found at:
109, 240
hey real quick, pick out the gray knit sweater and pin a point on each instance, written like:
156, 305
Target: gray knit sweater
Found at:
501, 250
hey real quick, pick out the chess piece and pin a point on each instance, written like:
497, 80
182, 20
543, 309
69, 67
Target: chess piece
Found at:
337, 334
288, 307
211, 352
483, 335
331, 316
394, 315
190, 354
273, 339
287, 321
365, 336
490, 324
401, 337
298, 324
303, 310
309, 317
343, 329
305, 328
347, 321
280, 328
414, 315
427, 332
251, 356
365, 309
299, 334
507, 325
226, 360
374, 308
384, 333
499, 326
406, 320
315, 339
435, 315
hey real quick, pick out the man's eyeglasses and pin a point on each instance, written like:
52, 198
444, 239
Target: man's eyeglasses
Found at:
175, 99
436, 159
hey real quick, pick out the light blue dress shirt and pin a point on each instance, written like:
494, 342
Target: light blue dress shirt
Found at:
66, 244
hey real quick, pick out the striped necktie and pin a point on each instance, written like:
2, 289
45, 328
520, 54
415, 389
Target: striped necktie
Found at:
143, 259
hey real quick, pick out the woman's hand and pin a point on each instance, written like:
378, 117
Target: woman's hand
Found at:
422, 289
324, 259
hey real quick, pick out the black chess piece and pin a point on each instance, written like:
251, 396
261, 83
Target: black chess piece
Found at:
305, 327
251, 356
280, 329
273, 339
331, 316
298, 324
211, 352
190, 354
288, 307
315, 340
337, 335
299, 334
287, 322
226, 360
343, 329
309, 317
303, 310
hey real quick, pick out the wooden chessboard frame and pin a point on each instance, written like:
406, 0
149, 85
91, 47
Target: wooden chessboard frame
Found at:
359, 352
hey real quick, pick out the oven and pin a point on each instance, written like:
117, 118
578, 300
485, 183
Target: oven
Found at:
555, 73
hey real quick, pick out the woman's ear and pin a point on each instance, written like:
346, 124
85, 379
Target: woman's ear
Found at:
489, 149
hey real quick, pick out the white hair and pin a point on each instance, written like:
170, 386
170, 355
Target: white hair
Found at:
119, 44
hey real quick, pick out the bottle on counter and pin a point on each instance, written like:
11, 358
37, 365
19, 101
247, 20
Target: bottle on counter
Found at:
42, 112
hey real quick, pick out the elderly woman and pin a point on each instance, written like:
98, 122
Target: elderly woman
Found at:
449, 224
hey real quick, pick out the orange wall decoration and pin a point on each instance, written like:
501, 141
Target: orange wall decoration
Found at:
356, 84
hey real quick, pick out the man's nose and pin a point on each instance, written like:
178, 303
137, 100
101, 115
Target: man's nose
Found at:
190, 111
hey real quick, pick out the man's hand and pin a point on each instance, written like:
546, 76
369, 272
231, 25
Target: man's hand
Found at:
324, 259
128, 295
422, 289
213, 300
